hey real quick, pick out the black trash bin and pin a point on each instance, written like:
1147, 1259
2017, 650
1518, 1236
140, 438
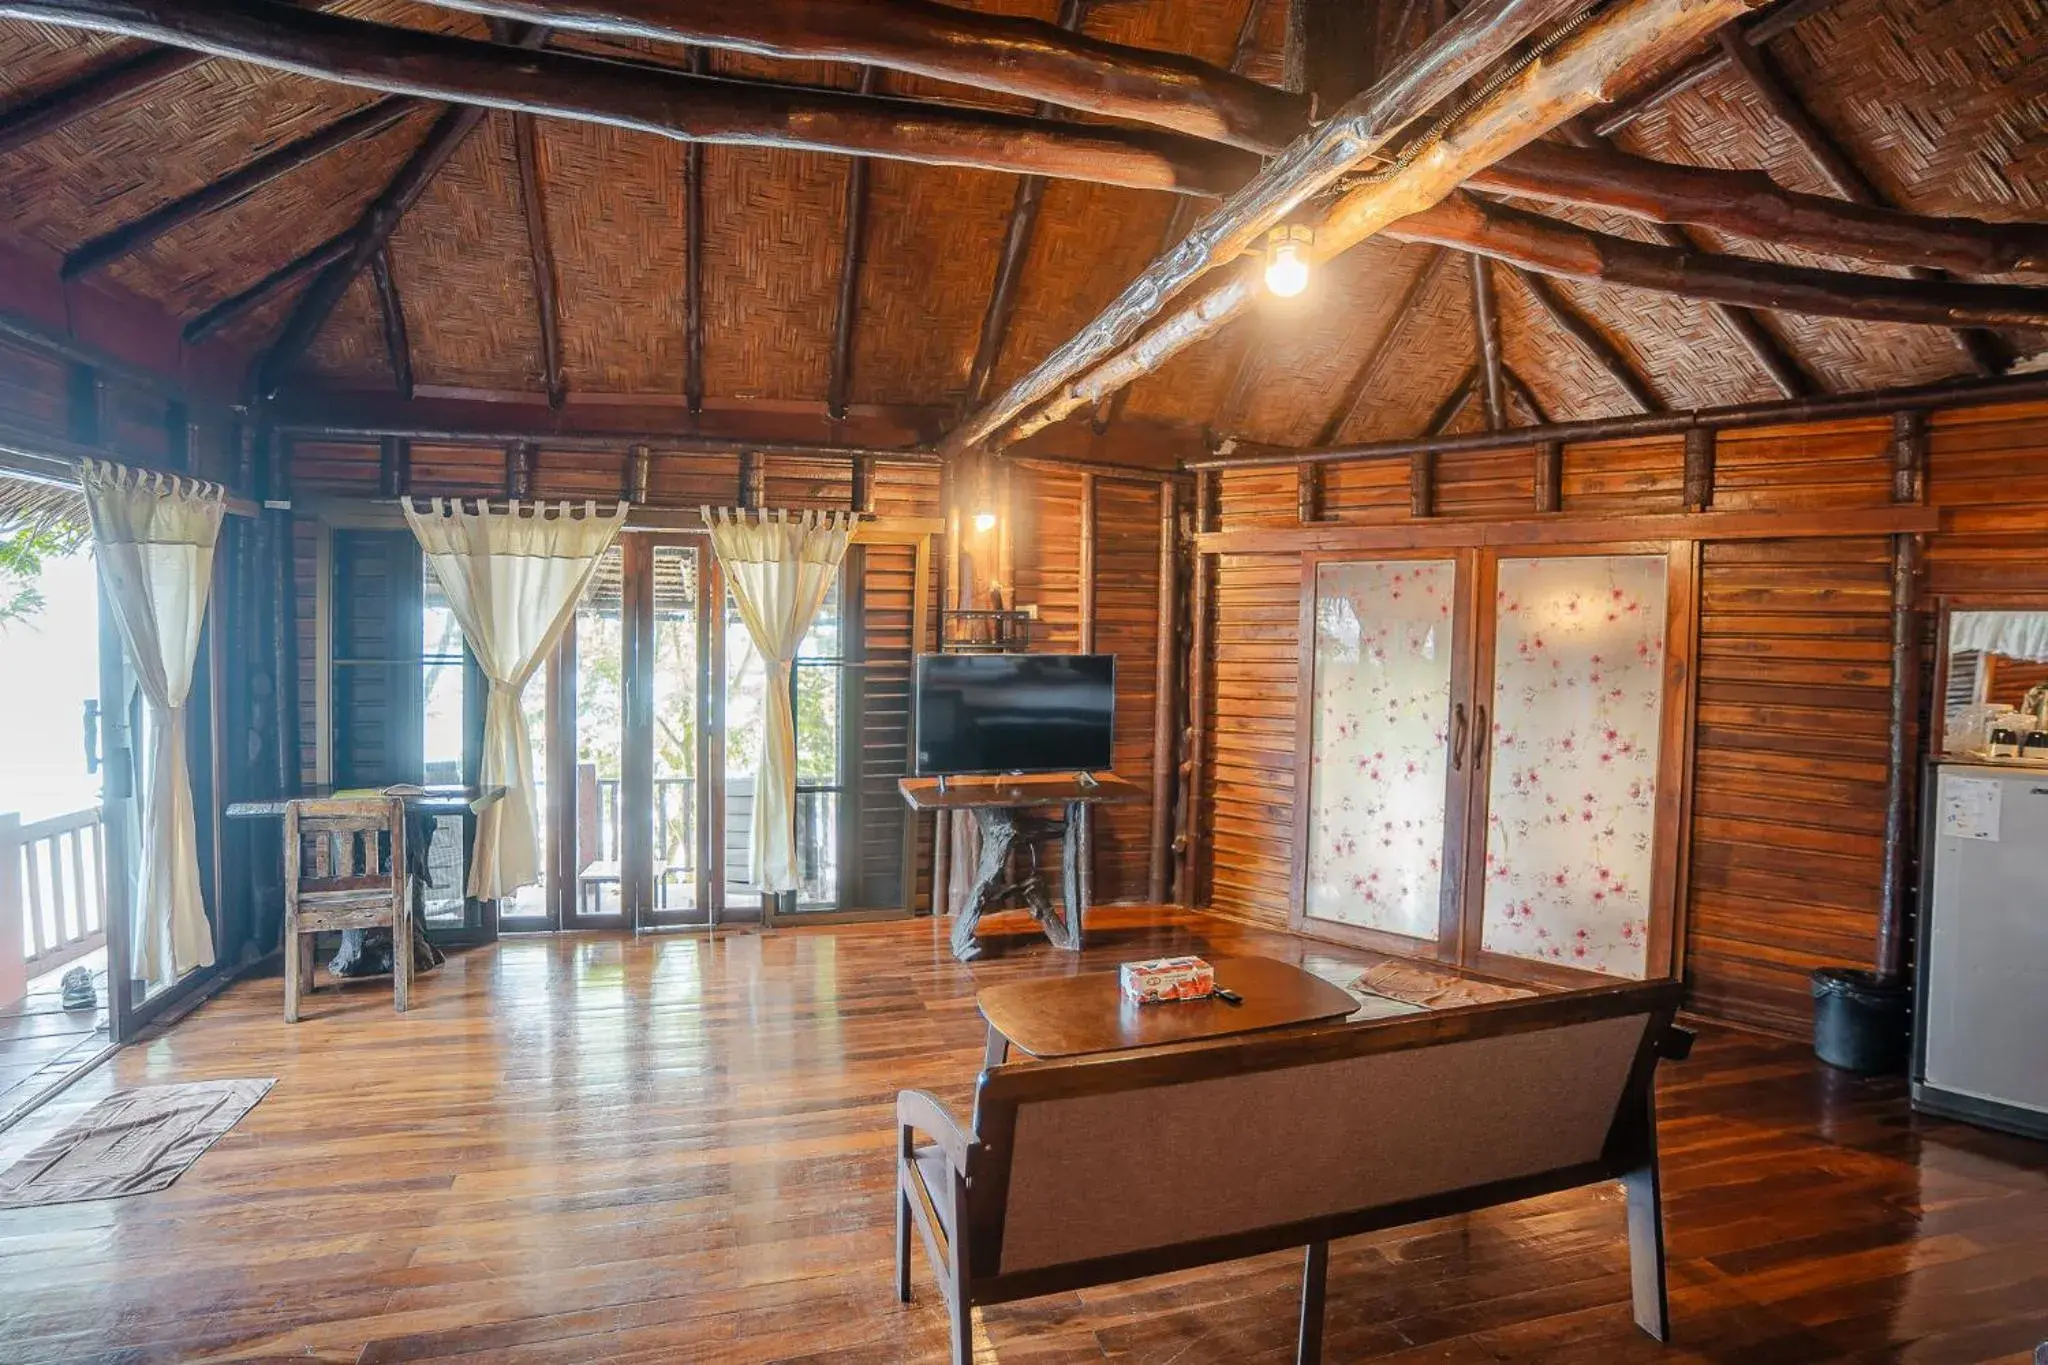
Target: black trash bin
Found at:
1861, 1022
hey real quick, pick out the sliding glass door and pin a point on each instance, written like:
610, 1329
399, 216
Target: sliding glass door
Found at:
1493, 745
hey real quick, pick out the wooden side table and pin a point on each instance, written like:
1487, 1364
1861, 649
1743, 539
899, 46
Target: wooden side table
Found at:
1000, 805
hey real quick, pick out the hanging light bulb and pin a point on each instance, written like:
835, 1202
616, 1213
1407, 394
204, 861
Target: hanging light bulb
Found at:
1287, 259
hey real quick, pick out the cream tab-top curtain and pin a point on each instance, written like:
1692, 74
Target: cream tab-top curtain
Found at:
779, 570
153, 538
513, 579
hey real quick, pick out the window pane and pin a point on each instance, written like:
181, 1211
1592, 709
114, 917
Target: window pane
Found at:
817, 724
675, 663
1381, 708
1578, 693
441, 658
600, 738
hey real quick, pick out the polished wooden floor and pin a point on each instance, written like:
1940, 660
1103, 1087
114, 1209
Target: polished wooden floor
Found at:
663, 1149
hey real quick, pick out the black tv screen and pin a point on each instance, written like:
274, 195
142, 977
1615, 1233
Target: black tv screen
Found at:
1015, 713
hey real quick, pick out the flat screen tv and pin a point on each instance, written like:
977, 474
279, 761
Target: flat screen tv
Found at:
1015, 713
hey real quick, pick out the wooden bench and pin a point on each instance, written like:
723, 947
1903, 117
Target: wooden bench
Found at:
1104, 1168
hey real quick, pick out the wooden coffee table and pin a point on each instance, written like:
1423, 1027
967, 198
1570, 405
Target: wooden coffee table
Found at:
1066, 1016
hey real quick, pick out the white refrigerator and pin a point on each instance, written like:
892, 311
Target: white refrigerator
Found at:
1981, 1020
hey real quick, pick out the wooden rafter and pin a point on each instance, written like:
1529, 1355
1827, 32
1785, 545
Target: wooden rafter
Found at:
235, 186
219, 315
1483, 33
1986, 353
106, 83
1520, 392
1454, 403
391, 310
1369, 368
657, 99
540, 250
852, 258
1486, 337
1018, 56
369, 236
1604, 353
1023, 226
1551, 247
1751, 204
693, 259
1608, 53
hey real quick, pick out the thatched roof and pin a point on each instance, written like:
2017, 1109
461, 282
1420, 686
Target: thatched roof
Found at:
1941, 106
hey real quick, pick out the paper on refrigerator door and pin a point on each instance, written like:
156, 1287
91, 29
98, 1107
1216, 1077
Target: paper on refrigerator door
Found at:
1969, 808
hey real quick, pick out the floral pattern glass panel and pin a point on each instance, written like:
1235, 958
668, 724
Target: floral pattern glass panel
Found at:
1578, 691
1381, 705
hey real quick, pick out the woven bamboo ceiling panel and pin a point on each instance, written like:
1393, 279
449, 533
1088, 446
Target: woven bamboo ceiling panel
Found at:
1940, 104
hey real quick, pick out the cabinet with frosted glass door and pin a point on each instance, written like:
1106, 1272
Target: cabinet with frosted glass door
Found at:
1491, 750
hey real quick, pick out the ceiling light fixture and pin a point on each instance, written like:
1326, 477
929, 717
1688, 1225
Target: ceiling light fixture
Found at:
1287, 250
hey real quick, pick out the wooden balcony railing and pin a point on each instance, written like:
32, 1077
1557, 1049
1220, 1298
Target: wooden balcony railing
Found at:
53, 894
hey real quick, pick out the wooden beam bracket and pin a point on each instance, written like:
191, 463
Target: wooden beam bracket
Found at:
1699, 469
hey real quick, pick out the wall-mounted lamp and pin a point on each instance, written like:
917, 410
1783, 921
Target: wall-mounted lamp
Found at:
1287, 249
984, 522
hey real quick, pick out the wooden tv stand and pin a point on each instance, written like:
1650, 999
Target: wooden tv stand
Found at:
999, 804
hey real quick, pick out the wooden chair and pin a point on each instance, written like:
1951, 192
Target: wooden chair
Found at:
344, 868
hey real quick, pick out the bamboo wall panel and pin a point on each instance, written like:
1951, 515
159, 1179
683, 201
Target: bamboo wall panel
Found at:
458, 471
1127, 625
1046, 505
1249, 778
906, 490
1485, 484
1620, 478
1788, 790
1263, 497
1838, 465
342, 468
577, 475
1373, 491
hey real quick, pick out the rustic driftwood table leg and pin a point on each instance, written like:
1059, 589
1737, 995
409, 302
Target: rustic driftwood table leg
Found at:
1066, 930
998, 833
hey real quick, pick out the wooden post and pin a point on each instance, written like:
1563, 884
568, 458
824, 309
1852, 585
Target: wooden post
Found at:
753, 481
1900, 753
864, 485
639, 474
1086, 567
1198, 708
394, 467
1165, 679
1309, 493
1207, 511
1909, 457
1422, 484
519, 461
1549, 476
1699, 469
13, 920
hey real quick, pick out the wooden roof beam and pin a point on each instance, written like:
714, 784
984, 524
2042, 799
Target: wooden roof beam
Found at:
1482, 33
1770, 354
540, 250
1375, 359
391, 310
852, 257
1608, 52
656, 99
102, 85
1023, 226
1454, 403
235, 186
1576, 325
1018, 56
1550, 247
1751, 204
1986, 353
1521, 393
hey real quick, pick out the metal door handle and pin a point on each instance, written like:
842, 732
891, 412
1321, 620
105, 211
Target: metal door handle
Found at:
1459, 728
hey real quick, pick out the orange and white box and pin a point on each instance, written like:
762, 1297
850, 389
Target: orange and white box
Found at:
1167, 978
